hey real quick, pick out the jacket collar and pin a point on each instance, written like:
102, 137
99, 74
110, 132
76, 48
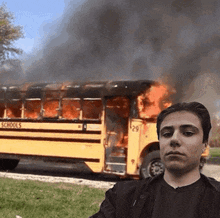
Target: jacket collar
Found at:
211, 181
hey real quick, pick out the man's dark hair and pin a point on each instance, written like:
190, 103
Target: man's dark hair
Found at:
194, 107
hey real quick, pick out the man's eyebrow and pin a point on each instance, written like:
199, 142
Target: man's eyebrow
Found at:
166, 128
184, 126
189, 126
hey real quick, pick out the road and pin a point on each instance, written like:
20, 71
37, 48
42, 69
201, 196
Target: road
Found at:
67, 173
59, 172
212, 170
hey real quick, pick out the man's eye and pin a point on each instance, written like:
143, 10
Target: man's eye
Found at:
166, 134
188, 133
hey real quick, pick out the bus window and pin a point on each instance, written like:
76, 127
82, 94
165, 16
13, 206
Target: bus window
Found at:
14, 102
51, 108
51, 103
32, 109
2, 109
70, 109
92, 109
119, 106
2, 102
14, 109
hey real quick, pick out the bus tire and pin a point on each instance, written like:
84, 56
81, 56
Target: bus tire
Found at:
151, 165
9, 164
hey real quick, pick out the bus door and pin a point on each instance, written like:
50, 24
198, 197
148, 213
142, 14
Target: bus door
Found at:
117, 117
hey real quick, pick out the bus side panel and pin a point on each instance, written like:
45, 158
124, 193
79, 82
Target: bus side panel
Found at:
54, 149
141, 134
95, 167
133, 146
67, 140
148, 135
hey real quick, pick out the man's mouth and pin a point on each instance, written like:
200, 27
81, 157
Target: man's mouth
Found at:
170, 153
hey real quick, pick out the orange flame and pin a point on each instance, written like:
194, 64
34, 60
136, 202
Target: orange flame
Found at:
51, 108
117, 110
14, 109
92, 109
120, 106
153, 100
32, 109
70, 109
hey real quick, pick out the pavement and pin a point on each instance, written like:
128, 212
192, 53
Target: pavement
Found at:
212, 170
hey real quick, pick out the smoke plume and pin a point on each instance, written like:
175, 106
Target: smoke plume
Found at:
175, 41
11, 71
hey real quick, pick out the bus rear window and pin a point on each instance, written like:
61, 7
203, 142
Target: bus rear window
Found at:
92, 109
32, 109
70, 109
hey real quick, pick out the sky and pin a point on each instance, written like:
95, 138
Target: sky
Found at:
36, 16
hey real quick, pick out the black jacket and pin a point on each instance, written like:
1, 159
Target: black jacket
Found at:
126, 199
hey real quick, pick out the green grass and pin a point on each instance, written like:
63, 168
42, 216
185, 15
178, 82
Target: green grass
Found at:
214, 152
32, 199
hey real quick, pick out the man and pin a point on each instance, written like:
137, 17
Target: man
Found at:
181, 191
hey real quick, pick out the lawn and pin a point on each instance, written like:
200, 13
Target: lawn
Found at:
33, 199
214, 152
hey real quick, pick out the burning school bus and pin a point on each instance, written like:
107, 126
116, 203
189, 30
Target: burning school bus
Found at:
110, 127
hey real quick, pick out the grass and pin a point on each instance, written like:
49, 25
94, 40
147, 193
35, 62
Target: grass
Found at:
214, 152
32, 199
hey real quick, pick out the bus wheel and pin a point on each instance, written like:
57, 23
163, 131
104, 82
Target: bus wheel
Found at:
152, 165
9, 164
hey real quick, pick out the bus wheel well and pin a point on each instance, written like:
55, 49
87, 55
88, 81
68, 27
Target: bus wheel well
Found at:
8, 164
149, 148
150, 162
151, 165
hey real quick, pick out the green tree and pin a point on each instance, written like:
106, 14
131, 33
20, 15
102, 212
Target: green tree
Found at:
8, 34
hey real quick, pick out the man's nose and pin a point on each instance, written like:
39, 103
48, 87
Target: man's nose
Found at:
174, 142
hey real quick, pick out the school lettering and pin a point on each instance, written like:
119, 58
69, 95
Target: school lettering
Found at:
11, 125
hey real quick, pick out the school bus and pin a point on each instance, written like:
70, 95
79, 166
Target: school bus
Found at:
106, 127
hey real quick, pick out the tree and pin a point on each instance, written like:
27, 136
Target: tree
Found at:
215, 136
8, 34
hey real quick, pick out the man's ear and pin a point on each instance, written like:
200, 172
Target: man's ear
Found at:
205, 144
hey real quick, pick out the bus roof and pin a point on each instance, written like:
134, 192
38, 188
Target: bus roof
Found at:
105, 89
81, 90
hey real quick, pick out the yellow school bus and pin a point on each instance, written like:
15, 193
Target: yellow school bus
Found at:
106, 127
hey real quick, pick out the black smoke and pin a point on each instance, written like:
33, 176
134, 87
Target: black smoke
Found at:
11, 72
174, 41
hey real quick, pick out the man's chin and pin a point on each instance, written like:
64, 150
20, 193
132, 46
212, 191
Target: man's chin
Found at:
175, 167
176, 170
179, 168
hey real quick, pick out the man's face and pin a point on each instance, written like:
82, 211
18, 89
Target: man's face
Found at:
181, 141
